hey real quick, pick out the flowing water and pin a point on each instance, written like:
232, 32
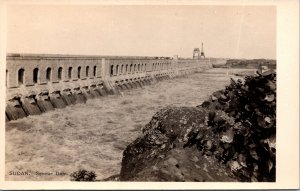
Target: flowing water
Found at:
92, 136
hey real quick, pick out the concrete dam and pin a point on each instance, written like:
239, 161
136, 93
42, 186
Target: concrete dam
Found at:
37, 83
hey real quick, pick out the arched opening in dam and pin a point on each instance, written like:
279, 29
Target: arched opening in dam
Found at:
59, 72
122, 69
70, 72
112, 70
87, 71
95, 71
35, 75
117, 70
21, 76
79, 72
48, 74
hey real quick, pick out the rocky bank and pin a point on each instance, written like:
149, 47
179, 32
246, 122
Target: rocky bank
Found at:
229, 137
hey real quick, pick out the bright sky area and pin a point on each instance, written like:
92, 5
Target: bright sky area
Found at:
140, 30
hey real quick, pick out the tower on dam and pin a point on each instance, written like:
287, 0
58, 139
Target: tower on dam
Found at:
197, 54
202, 51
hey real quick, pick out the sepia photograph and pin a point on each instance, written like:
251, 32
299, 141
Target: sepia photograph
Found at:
141, 93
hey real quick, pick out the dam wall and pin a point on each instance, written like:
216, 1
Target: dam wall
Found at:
37, 83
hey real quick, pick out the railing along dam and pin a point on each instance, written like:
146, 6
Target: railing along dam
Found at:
40, 83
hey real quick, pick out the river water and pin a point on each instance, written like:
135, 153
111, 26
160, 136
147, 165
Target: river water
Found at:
92, 136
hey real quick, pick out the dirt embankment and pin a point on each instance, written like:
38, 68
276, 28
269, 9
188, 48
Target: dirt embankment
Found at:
230, 137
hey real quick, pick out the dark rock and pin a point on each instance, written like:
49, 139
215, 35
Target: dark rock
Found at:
211, 142
169, 127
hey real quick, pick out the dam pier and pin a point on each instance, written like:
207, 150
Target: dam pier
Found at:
37, 83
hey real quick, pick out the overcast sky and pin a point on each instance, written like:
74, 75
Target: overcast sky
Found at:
226, 31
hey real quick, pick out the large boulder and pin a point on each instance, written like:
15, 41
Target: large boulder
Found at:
161, 154
229, 137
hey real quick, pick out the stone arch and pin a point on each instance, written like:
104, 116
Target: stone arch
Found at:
87, 71
48, 74
79, 72
70, 72
126, 68
59, 73
35, 75
138, 67
134, 68
130, 69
